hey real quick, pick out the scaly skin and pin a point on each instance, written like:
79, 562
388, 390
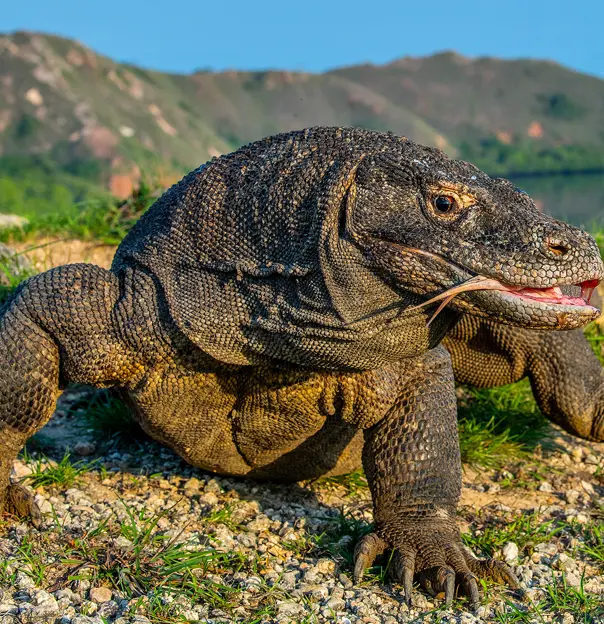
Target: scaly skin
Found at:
262, 319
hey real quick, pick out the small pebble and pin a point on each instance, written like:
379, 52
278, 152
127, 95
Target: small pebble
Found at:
84, 448
100, 594
510, 552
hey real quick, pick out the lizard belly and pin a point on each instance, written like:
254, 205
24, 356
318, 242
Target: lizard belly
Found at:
294, 424
190, 412
285, 424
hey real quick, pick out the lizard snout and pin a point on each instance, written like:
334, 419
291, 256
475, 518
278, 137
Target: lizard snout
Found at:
567, 245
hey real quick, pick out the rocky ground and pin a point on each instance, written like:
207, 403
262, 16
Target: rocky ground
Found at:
132, 534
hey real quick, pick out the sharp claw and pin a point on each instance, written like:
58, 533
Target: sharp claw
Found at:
509, 578
408, 584
360, 565
20, 502
367, 549
474, 594
449, 587
359, 570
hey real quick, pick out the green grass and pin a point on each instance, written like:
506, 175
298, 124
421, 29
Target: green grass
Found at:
497, 425
106, 414
591, 539
560, 598
12, 273
153, 562
30, 561
336, 541
598, 234
353, 482
62, 474
596, 339
223, 517
524, 530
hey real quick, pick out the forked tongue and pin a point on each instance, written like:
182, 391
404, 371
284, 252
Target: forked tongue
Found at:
475, 283
587, 289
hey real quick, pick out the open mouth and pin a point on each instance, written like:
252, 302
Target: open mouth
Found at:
552, 296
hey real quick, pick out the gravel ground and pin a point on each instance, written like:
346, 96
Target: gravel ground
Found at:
113, 540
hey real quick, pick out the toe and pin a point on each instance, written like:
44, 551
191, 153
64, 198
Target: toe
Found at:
468, 585
403, 569
367, 549
493, 569
465, 579
437, 580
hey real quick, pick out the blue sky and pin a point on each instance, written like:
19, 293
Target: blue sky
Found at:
315, 35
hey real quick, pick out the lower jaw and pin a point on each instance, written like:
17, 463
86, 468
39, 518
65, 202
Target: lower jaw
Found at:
513, 309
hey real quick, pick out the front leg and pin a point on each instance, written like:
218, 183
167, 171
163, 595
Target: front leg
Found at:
56, 329
413, 466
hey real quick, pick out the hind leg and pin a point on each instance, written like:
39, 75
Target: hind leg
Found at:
566, 377
56, 329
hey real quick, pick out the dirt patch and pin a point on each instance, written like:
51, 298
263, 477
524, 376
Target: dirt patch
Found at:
48, 253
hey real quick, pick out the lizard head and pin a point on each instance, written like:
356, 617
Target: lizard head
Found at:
446, 231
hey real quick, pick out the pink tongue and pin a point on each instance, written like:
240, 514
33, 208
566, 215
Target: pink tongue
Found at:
551, 295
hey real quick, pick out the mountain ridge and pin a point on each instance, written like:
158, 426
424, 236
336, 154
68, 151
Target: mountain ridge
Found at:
81, 116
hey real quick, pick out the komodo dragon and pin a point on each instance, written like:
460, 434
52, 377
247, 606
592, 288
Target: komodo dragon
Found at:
301, 306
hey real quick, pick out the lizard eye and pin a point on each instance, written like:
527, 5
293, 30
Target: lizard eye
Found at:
444, 204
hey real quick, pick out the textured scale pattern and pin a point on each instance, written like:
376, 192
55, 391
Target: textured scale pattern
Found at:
261, 319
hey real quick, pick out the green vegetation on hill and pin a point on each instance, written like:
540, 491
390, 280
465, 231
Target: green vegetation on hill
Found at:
101, 217
38, 185
527, 157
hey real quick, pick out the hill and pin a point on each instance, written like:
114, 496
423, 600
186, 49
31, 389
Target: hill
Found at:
73, 122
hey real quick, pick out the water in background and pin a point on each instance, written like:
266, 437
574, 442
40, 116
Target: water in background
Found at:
577, 199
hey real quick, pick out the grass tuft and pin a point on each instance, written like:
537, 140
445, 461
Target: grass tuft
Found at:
13, 270
591, 536
107, 414
106, 220
63, 474
150, 563
560, 599
497, 425
525, 530
595, 335
353, 482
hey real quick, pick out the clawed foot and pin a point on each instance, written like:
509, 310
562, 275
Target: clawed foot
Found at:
436, 557
20, 502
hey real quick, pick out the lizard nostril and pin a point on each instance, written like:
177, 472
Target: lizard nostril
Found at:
557, 247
